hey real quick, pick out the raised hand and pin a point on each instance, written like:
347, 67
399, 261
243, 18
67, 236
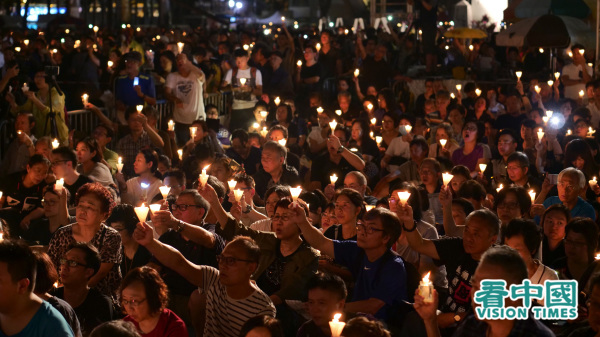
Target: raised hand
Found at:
143, 234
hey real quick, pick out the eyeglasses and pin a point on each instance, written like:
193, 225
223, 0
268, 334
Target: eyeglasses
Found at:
229, 260
367, 229
132, 303
71, 263
280, 217
181, 207
513, 168
48, 202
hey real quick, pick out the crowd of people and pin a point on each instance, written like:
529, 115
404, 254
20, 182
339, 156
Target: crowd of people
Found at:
324, 185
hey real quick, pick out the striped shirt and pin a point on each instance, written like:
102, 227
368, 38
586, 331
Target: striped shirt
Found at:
225, 316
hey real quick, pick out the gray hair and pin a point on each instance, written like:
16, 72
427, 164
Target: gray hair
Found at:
574, 173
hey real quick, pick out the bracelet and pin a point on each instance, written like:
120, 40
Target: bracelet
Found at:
410, 230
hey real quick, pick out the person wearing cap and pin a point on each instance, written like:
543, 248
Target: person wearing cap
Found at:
280, 81
127, 93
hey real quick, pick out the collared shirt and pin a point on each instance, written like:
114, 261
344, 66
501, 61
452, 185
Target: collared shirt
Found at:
582, 208
129, 148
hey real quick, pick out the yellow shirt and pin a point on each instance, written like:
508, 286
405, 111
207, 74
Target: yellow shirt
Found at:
58, 107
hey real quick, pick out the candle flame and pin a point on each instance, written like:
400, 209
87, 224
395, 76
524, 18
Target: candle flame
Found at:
337, 317
426, 277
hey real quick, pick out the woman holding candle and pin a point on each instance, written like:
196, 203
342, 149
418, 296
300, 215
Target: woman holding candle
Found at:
349, 208
203, 146
443, 144
360, 136
389, 129
472, 153
144, 296
90, 162
146, 167
93, 204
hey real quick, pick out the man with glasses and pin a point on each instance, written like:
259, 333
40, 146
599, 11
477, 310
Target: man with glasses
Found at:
518, 172
196, 240
274, 169
80, 263
357, 181
496, 170
64, 164
571, 182
379, 273
231, 297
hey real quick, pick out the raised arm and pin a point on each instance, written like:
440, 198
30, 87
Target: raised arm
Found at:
450, 226
354, 160
311, 234
167, 255
414, 238
197, 234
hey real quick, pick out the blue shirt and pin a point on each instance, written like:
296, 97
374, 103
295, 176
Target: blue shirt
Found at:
47, 321
582, 208
383, 279
125, 93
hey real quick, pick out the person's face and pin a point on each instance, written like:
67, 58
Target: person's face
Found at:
192, 214
594, 309
417, 153
276, 135
309, 55
526, 133
140, 165
343, 86
40, 80
212, 113
100, 134
75, 275
380, 52
554, 225
566, 110
314, 102
281, 114
22, 123
328, 218
470, 133
134, 122
270, 204
172, 182
440, 133
371, 91
166, 63
509, 208
516, 172
83, 153
323, 120
578, 163
325, 38
43, 149
576, 247
455, 117
239, 147
51, 204
275, 61
271, 161
366, 240
428, 87
458, 214
568, 189
322, 305
535, 115
344, 103
199, 133
219, 171
131, 67
281, 224
506, 145
387, 123
241, 62
238, 272
88, 211
517, 242
136, 293
381, 102
441, 102
356, 131
119, 226
477, 237
480, 104
581, 128
345, 211
457, 181
350, 181
428, 174
37, 173
259, 331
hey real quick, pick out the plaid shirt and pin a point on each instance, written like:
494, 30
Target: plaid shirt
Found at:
128, 149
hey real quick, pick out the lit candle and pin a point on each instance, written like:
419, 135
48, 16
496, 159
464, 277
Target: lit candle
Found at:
263, 114
569, 132
336, 326
338, 112
371, 134
452, 95
597, 255
277, 100
171, 125
110, 63
193, 130
141, 212
120, 164
318, 47
356, 72
255, 126
242, 81
282, 141
499, 188
519, 74
550, 83
180, 153
593, 182
373, 120
154, 208
471, 47
591, 132
443, 142
237, 194
570, 53
332, 124
478, 92
25, 88
58, 186
84, 98
556, 75
446, 178
378, 140
139, 108
426, 289
164, 190
19, 132
264, 132
203, 176
320, 110
408, 128
540, 134
549, 113
295, 191
144, 187
541, 50
458, 87
180, 46
532, 196
246, 47
232, 183
333, 178
26, 42
545, 119
369, 207
403, 197
581, 51
283, 19
581, 93
95, 29
369, 106
18, 49
482, 167
537, 88
299, 63
55, 143
56, 284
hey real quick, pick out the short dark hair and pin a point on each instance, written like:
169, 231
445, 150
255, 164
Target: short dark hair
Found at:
115, 329
150, 156
66, 154
178, 175
20, 261
92, 145
389, 220
249, 245
508, 132
488, 218
518, 157
557, 208
92, 256
329, 282
420, 142
588, 228
198, 200
46, 274
245, 178
157, 293
262, 321
464, 204
241, 134
461, 170
281, 191
523, 198
275, 146
109, 132
532, 236
509, 261
355, 198
218, 186
472, 189
124, 213
240, 52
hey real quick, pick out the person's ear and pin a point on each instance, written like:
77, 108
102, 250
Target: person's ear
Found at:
89, 272
23, 285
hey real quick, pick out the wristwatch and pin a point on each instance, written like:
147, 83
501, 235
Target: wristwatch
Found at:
180, 227
341, 149
247, 210
410, 230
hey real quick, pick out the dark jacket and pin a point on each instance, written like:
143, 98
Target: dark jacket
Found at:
263, 180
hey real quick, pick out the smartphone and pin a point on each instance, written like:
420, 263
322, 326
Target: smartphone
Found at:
136, 81
553, 178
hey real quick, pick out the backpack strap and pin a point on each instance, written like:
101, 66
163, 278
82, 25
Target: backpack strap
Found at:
234, 72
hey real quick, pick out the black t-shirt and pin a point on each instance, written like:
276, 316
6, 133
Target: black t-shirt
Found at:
376, 73
251, 163
82, 180
460, 267
270, 280
312, 71
39, 233
19, 197
549, 257
67, 312
328, 61
141, 257
334, 232
95, 309
324, 168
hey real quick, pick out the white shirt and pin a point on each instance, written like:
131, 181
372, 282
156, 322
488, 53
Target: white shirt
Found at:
190, 91
315, 137
398, 147
134, 194
572, 70
239, 104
